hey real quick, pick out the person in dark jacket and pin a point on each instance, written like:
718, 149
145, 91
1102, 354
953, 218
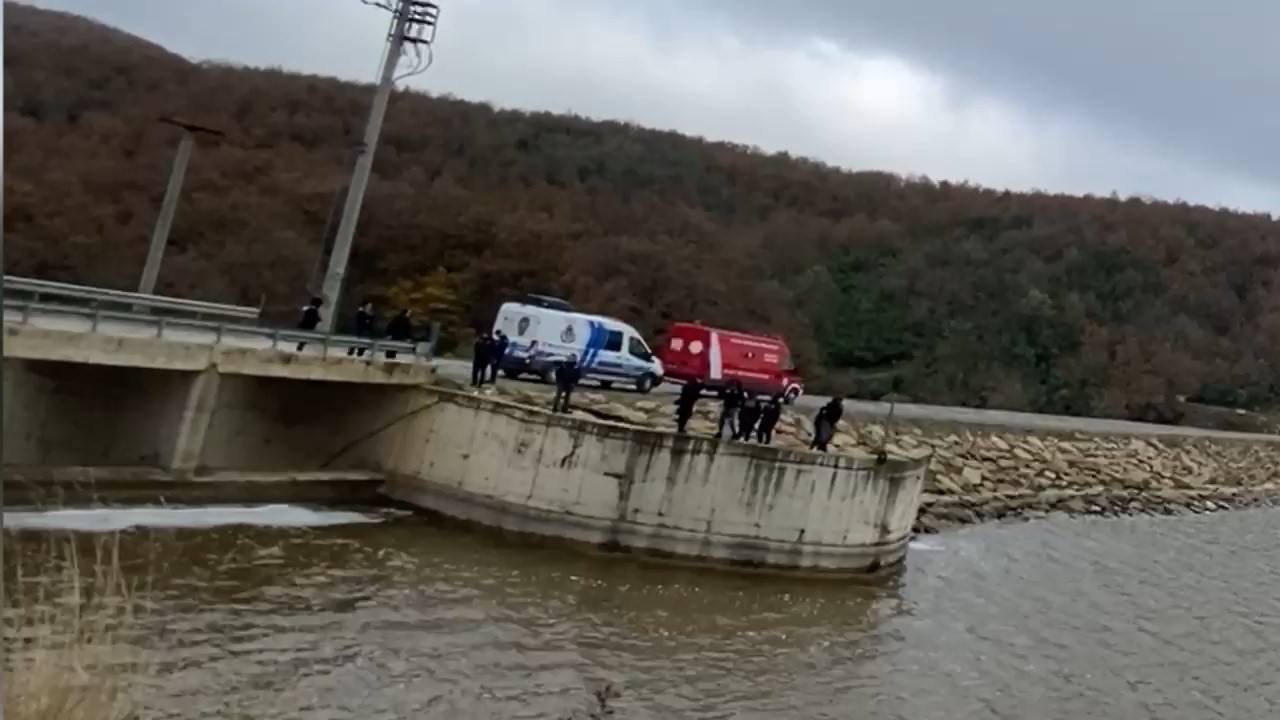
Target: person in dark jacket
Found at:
689, 395
310, 319
748, 416
399, 329
500, 344
480, 353
731, 397
824, 424
567, 376
364, 326
769, 416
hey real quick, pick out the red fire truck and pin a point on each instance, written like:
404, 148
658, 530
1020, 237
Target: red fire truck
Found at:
762, 363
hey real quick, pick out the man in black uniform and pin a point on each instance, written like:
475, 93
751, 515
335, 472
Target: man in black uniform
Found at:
364, 326
399, 329
567, 376
499, 350
747, 418
824, 425
769, 416
732, 397
689, 395
480, 358
310, 319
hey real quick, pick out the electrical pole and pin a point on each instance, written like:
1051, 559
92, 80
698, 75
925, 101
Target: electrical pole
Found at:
160, 236
314, 278
410, 19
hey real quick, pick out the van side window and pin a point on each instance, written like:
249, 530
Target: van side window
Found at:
613, 342
636, 348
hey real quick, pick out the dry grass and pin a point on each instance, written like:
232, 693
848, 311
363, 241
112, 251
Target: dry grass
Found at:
67, 619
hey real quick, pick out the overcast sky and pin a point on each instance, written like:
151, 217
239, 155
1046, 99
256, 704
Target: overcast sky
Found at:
1171, 98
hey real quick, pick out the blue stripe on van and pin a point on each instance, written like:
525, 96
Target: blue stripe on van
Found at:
595, 342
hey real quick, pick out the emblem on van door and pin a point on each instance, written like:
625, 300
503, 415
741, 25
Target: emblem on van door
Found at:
522, 327
566, 335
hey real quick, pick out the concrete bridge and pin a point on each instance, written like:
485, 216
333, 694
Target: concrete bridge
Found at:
94, 399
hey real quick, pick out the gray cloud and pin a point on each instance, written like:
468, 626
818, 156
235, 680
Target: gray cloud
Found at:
1173, 98
1201, 78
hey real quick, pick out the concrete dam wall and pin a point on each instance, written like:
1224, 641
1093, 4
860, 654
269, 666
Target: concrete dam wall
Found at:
620, 487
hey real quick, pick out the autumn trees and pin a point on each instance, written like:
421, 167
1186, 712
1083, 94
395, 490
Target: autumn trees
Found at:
943, 292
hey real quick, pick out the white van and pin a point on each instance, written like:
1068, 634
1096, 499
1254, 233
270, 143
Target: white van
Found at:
609, 351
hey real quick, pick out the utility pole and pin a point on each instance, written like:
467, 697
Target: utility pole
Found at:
160, 236
413, 22
314, 278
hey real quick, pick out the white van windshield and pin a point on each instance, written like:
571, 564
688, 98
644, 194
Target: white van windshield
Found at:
637, 348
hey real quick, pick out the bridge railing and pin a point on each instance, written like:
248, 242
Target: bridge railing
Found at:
137, 321
67, 294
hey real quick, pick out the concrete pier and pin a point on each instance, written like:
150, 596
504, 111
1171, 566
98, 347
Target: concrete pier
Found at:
645, 491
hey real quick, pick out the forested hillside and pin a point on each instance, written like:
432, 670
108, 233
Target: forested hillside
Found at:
945, 292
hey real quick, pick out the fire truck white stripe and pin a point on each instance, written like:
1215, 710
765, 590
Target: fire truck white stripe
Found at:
714, 361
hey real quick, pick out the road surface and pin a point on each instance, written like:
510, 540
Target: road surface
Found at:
460, 370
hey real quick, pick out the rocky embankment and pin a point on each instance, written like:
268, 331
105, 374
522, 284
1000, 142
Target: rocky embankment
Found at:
980, 475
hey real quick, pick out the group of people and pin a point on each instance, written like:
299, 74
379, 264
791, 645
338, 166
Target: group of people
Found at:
486, 359
398, 329
746, 416
743, 414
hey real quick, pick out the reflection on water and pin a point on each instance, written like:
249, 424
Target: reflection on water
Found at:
1153, 618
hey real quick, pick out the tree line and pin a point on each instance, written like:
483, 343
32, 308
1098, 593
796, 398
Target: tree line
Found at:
943, 292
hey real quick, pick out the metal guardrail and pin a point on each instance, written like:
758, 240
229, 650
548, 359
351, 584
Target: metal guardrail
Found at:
66, 294
222, 332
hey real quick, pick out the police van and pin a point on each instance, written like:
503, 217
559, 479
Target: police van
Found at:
545, 331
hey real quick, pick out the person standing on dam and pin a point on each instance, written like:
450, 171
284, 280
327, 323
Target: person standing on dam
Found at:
748, 416
480, 352
364, 326
567, 376
824, 424
769, 416
399, 329
688, 398
310, 319
498, 351
731, 397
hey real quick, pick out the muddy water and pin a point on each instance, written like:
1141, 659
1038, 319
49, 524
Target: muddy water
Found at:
1142, 618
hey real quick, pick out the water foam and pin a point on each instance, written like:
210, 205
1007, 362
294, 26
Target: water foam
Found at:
116, 519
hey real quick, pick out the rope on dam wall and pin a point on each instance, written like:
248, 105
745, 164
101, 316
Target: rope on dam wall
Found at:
379, 430
510, 409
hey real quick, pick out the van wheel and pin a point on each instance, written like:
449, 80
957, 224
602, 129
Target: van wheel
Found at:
510, 374
791, 395
548, 376
645, 384
605, 384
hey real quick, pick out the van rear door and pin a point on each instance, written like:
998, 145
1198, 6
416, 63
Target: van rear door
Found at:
521, 324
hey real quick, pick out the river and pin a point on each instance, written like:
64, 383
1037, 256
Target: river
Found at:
396, 617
